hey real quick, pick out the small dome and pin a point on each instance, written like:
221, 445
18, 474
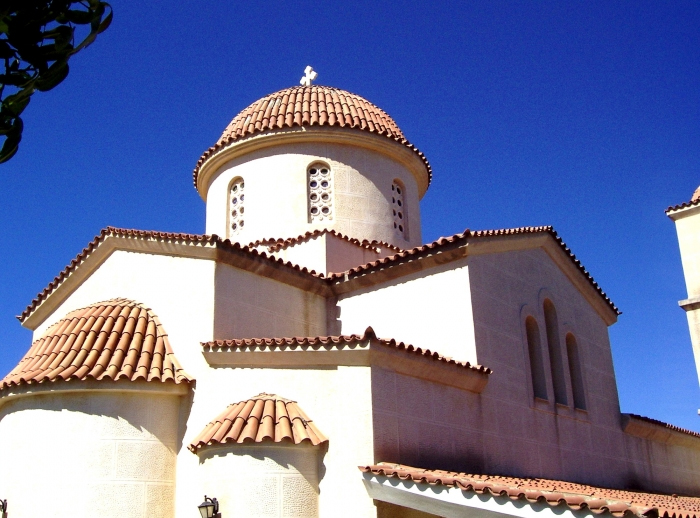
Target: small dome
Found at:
265, 417
309, 106
112, 340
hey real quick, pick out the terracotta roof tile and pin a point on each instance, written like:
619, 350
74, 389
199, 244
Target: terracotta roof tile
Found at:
686, 204
386, 262
665, 425
275, 244
192, 239
314, 342
313, 105
117, 339
554, 492
461, 239
265, 417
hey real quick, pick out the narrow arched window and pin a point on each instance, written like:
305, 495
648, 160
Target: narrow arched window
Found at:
236, 209
575, 372
320, 188
555, 357
398, 208
534, 349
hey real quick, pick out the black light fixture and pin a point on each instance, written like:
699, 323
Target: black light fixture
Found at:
209, 508
3, 508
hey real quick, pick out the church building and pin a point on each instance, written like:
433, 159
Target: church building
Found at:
310, 356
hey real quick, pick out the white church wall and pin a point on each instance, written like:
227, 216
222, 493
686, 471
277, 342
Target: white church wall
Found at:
179, 290
266, 480
337, 399
361, 207
430, 309
92, 454
688, 230
248, 305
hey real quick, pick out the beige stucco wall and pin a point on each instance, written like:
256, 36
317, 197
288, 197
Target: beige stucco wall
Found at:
504, 430
179, 290
337, 399
107, 455
248, 305
688, 230
330, 254
276, 193
430, 309
266, 480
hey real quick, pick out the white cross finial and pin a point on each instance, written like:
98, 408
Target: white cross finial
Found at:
309, 75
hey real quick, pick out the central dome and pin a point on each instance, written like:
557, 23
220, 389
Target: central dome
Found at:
314, 105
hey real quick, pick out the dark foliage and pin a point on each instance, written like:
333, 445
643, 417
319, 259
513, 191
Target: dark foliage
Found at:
37, 37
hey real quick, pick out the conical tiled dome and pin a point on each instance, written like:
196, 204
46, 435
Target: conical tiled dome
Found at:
309, 106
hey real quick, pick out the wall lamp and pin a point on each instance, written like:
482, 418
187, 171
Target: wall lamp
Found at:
3, 508
209, 508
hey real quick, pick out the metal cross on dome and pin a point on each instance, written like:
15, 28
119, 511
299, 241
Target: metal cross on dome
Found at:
309, 75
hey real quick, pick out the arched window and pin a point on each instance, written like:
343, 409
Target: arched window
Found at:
555, 357
534, 349
320, 184
575, 372
398, 207
236, 209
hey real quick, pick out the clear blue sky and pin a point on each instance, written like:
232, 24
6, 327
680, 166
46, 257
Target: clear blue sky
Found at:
582, 115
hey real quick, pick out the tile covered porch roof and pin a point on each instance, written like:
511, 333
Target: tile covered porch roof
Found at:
618, 502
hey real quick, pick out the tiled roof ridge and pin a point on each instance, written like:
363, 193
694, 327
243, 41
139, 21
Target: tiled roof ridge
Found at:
275, 244
619, 503
684, 205
300, 106
389, 261
369, 334
174, 236
110, 340
665, 425
462, 238
262, 418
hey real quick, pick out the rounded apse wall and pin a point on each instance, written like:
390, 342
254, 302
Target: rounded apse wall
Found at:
281, 194
269, 479
91, 454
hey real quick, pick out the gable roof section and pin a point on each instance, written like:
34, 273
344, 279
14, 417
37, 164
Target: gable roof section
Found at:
462, 240
113, 340
569, 495
263, 418
200, 245
277, 244
205, 246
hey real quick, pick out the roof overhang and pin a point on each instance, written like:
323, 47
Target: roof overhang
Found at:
395, 150
453, 502
367, 350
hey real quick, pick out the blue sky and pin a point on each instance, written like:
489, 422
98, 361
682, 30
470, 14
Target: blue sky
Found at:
580, 115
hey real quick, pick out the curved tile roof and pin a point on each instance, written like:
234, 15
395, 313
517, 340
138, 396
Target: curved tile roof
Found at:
313, 105
598, 500
113, 340
400, 257
265, 417
331, 341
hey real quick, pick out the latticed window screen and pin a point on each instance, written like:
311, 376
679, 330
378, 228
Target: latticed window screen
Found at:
320, 182
398, 206
236, 199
